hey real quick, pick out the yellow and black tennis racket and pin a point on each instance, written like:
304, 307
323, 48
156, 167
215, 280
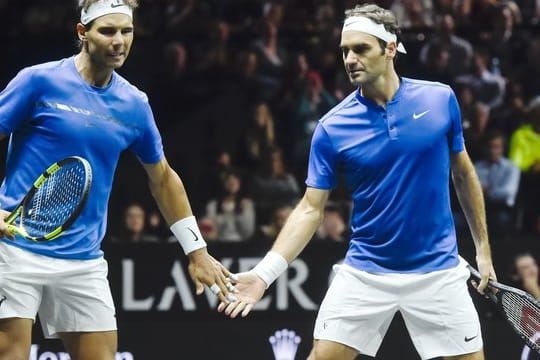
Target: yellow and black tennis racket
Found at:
55, 200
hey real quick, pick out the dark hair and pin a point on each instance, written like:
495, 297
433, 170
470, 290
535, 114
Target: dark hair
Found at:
378, 15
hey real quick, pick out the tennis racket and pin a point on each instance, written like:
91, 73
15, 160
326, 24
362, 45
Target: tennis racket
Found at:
520, 309
54, 201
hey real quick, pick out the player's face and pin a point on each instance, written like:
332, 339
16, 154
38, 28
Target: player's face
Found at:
363, 57
109, 40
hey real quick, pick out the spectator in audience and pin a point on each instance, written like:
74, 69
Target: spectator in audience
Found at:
474, 118
274, 185
525, 153
260, 135
487, 86
268, 231
460, 50
232, 213
437, 66
525, 273
272, 62
506, 43
312, 104
511, 114
499, 177
133, 229
333, 227
413, 13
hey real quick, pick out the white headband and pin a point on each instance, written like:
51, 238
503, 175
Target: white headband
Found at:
105, 7
363, 24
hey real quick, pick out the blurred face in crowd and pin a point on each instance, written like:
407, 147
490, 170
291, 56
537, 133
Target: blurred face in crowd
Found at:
495, 149
232, 184
363, 57
262, 115
134, 218
107, 40
526, 267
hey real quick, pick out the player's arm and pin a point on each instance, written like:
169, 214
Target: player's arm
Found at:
292, 239
4, 232
301, 224
171, 197
471, 199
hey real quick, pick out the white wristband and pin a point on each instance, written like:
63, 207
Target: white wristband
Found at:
270, 267
188, 234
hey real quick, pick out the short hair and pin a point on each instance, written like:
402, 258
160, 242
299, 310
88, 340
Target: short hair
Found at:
378, 15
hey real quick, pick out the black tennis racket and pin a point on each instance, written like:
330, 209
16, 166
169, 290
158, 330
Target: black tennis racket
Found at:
54, 201
520, 309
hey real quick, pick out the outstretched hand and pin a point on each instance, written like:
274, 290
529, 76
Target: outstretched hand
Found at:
205, 270
249, 290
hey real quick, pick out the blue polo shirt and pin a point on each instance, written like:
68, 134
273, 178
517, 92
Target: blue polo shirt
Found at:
51, 113
396, 162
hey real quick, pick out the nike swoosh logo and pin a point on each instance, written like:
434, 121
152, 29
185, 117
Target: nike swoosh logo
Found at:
116, 5
4, 298
196, 237
467, 339
417, 116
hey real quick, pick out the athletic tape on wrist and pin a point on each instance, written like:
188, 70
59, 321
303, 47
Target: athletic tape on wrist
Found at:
188, 234
270, 267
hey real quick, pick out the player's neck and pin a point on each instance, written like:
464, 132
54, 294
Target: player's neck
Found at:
383, 89
92, 74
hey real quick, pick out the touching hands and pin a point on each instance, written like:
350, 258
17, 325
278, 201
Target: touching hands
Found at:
205, 270
249, 290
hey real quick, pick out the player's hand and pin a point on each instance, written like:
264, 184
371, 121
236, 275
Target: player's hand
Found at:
486, 270
249, 290
4, 232
205, 270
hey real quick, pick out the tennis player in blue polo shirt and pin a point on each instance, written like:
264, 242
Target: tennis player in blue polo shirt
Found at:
80, 106
396, 140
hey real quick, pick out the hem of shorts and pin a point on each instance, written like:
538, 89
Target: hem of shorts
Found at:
453, 353
54, 256
346, 343
17, 316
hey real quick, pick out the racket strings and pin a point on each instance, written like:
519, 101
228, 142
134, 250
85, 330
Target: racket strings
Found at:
55, 201
524, 315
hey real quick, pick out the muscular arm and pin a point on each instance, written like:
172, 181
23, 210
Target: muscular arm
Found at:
171, 197
295, 235
301, 224
168, 191
471, 199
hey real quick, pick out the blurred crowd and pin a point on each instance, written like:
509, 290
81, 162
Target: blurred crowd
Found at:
237, 88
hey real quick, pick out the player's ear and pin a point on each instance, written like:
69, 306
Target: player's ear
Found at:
81, 32
391, 49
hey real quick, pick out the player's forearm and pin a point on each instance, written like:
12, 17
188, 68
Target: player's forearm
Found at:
298, 230
471, 199
171, 197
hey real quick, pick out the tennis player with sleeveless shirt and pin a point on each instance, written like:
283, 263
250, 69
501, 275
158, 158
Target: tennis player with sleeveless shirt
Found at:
80, 106
396, 141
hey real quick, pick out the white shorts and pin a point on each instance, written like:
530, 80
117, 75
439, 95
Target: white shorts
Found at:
68, 295
436, 307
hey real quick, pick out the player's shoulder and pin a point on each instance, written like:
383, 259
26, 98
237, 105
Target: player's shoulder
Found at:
44, 70
426, 86
128, 89
341, 108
